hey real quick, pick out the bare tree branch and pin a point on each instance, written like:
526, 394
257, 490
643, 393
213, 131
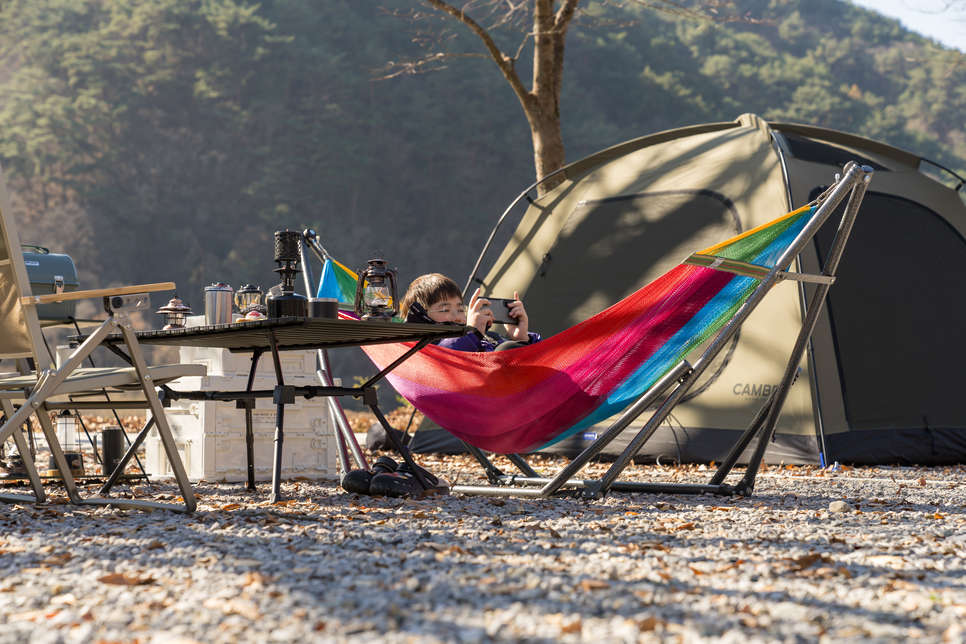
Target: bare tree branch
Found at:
431, 63
502, 61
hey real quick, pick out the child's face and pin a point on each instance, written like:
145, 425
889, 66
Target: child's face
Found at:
448, 310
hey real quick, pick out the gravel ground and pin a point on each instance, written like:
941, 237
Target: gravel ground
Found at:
873, 554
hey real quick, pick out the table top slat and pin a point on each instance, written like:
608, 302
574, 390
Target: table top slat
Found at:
293, 333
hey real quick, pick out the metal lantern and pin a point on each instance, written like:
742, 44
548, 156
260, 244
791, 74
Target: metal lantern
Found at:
376, 291
283, 301
175, 312
248, 299
70, 443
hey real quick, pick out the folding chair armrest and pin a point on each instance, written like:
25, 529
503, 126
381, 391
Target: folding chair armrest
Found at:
95, 293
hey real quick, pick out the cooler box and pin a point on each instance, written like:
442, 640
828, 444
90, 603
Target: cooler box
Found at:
47, 271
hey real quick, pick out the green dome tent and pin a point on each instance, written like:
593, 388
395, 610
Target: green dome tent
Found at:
883, 379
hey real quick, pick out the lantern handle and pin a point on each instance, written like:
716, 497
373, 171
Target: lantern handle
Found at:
358, 304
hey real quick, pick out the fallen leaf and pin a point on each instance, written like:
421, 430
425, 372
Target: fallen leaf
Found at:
685, 526
809, 560
588, 585
574, 626
648, 624
125, 579
230, 506
58, 560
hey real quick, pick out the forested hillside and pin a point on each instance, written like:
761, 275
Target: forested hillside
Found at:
169, 139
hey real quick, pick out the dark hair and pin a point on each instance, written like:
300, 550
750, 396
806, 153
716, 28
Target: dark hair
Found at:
427, 290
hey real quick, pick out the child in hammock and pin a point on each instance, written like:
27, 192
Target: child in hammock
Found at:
436, 299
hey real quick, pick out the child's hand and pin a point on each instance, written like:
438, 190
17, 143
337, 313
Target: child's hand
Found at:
519, 331
478, 314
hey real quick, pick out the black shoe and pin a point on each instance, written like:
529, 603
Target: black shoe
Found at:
357, 481
403, 482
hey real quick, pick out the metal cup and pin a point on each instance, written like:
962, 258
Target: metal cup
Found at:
218, 298
323, 307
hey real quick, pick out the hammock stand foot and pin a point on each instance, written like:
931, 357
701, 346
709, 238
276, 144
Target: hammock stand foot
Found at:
587, 489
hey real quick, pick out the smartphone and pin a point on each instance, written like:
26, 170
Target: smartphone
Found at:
501, 309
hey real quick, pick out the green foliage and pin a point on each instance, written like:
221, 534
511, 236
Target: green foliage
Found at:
169, 139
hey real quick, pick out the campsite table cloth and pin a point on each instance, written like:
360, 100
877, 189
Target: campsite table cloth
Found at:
288, 334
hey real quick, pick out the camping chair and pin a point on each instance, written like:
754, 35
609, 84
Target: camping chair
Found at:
37, 385
629, 357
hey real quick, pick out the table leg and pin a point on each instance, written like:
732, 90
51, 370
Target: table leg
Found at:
250, 444
249, 430
277, 467
283, 394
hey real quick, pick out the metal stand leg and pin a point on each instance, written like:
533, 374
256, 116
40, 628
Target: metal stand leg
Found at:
493, 473
522, 465
21, 442
400, 448
249, 429
164, 432
249, 442
816, 304
279, 438
282, 396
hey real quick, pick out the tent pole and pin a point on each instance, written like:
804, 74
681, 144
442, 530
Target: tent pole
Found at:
780, 145
499, 222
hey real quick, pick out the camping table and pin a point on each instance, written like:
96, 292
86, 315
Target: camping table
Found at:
288, 334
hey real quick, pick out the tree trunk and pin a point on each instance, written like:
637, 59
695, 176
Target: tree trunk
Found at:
548, 148
541, 103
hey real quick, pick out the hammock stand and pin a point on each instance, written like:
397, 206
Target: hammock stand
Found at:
674, 385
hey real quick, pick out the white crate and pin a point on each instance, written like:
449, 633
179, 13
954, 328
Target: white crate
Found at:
222, 362
222, 457
211, 440
210, 435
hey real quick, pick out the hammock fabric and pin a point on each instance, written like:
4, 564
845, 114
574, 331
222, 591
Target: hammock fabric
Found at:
520, 400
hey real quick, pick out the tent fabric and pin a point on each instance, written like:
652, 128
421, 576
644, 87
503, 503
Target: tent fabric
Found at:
883, 361
516, 401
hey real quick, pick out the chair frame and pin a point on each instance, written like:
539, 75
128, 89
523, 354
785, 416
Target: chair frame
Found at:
36, 403
36, 398
852, 182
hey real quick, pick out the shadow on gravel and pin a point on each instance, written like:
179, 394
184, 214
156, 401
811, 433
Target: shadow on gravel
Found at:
378, 565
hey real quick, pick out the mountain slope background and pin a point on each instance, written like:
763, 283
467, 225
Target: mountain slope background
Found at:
168, 140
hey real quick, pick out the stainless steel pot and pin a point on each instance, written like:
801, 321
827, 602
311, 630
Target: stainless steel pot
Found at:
218, 299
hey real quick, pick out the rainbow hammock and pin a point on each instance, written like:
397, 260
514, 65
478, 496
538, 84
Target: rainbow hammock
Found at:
517, 401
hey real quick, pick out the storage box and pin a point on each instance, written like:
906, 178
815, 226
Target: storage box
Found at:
47, 271
210, 435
